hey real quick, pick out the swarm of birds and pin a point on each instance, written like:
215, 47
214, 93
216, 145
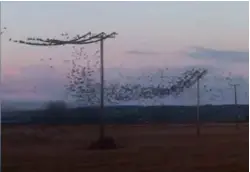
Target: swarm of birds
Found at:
81, 82
86, 88
129, 92
87, 38
3, 30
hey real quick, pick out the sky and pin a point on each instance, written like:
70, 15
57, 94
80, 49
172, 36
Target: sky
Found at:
151, 35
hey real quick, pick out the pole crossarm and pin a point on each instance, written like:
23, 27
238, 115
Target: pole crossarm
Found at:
234, 85
87, 38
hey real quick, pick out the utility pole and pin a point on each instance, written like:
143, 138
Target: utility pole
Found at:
88, 38
196, 78
235, 94
102, 90
236, 105
198, 109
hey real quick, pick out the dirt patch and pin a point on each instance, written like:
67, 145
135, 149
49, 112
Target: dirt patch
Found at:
41, 148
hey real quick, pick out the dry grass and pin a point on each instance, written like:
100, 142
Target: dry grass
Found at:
153, 148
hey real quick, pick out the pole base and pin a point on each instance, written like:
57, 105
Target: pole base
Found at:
105, 143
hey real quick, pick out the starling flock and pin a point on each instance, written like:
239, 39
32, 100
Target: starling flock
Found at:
83, 85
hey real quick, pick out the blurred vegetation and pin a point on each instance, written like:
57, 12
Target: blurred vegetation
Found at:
58, 113
56, 108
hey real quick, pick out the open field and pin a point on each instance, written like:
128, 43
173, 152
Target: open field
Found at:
156, 148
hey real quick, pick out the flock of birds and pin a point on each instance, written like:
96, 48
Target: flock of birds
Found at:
3, 30
85, 88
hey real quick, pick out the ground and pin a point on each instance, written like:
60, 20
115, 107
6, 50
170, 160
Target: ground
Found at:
156, 148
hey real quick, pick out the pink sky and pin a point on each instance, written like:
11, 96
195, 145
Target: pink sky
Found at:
153, 34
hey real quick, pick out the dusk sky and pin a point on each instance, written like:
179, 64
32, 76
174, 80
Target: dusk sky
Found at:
151, 35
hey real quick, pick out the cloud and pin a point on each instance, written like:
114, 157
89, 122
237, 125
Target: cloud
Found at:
229, 56
227, 61
137, 52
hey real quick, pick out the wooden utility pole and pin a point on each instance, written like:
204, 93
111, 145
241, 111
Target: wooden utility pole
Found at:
198, 102
236, 105
102, 132
198, 109
88, 38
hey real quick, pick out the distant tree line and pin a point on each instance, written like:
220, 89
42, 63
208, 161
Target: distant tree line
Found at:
58, 113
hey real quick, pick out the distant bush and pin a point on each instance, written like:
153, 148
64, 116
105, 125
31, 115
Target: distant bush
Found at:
56, 108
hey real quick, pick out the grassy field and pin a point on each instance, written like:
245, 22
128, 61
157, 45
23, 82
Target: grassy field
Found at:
156, 148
